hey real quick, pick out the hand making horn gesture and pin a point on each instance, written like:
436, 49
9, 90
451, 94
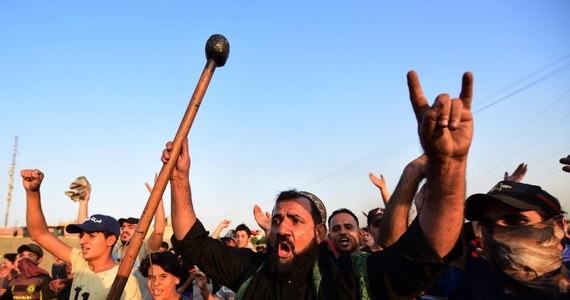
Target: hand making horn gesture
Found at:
446, 127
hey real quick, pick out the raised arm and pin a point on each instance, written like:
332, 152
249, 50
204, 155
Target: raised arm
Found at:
155, 238
445, 130
35, 220
395, 220
380, 183
223, 224
182, 210
83, 212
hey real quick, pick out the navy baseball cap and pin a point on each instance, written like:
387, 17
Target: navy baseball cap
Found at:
96, 223
518, 195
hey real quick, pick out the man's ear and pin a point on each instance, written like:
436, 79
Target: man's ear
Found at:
321, 232
111, 240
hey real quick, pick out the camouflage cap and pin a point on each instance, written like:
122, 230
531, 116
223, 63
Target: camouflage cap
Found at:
318, 204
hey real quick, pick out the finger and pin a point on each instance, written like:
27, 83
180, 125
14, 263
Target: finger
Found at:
268, 215
442, 108
467, 90
256, 209
184, 151
430, 119
455, 113
381, 177
169, 145
165, 156
148, 187
419, 102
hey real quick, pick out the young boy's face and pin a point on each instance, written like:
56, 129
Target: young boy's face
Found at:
95, 245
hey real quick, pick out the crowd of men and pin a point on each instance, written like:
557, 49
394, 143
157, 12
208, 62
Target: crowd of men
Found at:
511, 247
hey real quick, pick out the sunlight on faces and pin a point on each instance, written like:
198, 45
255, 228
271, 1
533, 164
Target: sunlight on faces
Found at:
161, 284
344, 233
127, 231
366, 238
95, 245
293, 238
242, 239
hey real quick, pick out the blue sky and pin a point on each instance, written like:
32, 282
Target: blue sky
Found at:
313, 97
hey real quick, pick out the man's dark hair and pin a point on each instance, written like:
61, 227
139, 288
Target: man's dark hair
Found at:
294, 194
243, 227
346, 211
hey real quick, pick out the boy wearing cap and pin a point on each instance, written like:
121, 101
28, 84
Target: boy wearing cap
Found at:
522, 232
229, 239
373, 220
32, 282
92, 265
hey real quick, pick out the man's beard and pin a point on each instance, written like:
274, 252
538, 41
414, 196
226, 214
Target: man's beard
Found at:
298, 266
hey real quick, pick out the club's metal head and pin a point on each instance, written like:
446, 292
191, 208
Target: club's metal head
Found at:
218, 49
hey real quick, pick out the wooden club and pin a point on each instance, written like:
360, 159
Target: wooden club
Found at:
217, 52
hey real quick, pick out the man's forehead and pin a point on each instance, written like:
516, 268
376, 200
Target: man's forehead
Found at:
28, 252
343, 218
298, 205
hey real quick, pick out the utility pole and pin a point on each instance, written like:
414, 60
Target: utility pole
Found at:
11, 182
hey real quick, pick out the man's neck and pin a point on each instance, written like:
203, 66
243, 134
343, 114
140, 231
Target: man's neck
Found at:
102, 264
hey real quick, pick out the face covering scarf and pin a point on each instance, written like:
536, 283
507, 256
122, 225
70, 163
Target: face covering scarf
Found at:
28, 268
528, 254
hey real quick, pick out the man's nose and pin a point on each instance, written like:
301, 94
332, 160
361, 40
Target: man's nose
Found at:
284, 228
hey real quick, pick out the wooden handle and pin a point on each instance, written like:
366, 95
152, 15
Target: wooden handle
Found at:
217, 52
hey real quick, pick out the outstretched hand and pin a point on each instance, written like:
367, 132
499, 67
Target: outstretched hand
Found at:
32, 179
262, 219
518, 174
446, 127
378, 182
